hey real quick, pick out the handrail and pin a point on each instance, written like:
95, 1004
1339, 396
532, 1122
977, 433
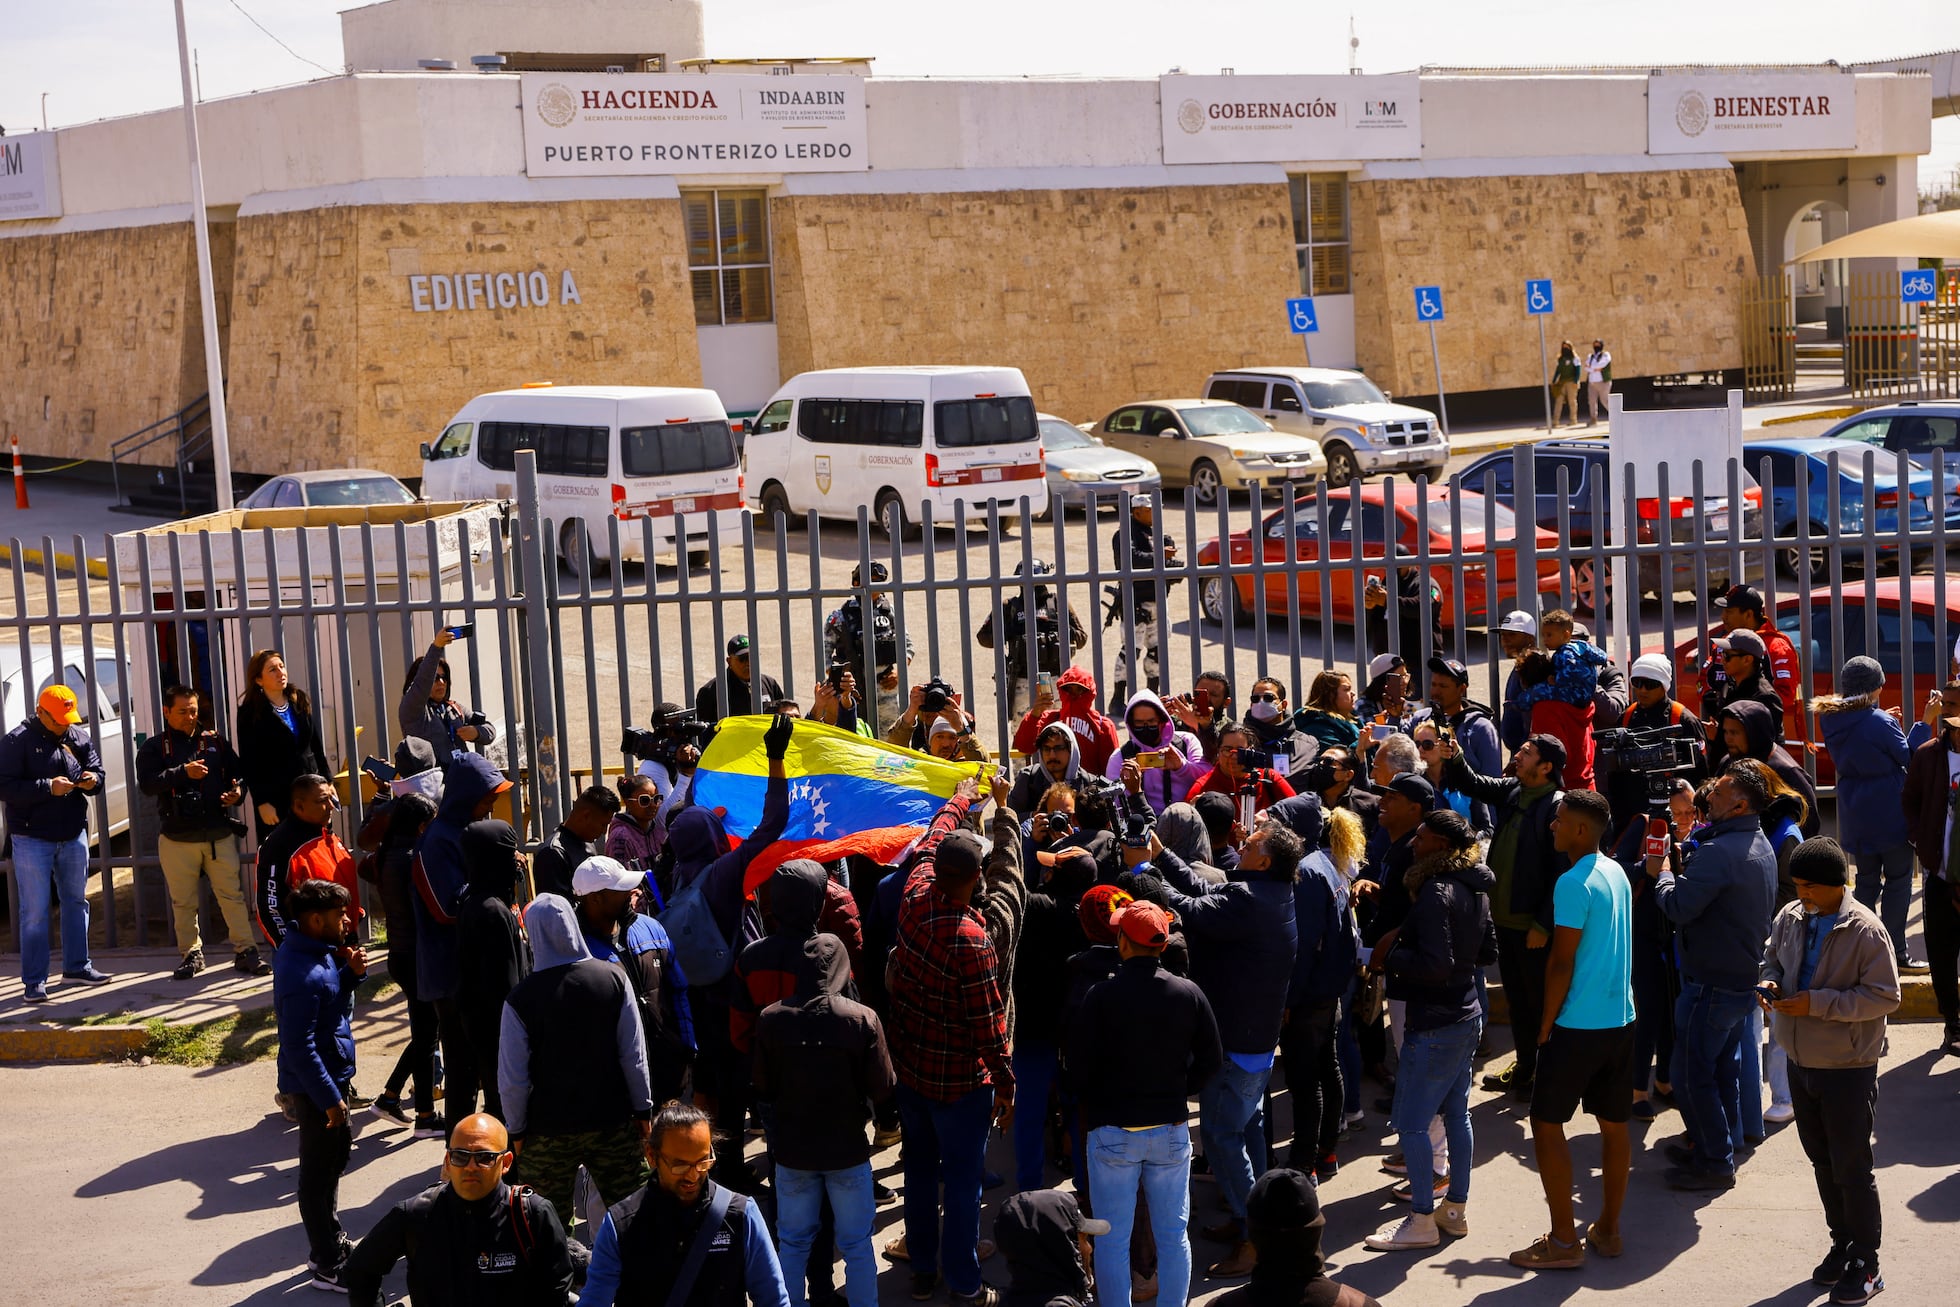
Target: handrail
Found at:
189, 445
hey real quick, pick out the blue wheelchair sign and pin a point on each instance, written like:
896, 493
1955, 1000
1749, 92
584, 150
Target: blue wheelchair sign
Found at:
1918, 285
1429, 304
1538, 296
1301, 317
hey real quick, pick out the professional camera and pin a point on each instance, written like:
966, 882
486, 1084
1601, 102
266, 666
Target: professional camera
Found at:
937, 694
673, 727
1260, 760
1657, 756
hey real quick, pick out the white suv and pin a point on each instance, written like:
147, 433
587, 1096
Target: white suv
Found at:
1360, 430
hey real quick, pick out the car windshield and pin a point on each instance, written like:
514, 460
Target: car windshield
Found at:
1060, 435
358, 491
1348, 390
1221, 420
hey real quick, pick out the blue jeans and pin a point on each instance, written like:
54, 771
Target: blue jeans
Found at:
945, 1144
1884, 884
45, 869
1161, 1159
1232, 1119
1708, 1032
1433, 1079
1034, 1075
799, 1204
1748, 1124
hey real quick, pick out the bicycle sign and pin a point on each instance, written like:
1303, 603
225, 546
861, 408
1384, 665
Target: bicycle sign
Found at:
1429, 304
1301, 317
1918, 285
1538, 296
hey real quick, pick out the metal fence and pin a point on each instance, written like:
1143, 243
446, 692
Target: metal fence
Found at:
563, 661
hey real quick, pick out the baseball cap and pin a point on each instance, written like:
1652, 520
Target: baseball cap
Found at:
1521, 622
1451, 668
1415, 788
1742, 596
600, 872
737, 644
1743, 642
1144, 923
58, 702
1381, 663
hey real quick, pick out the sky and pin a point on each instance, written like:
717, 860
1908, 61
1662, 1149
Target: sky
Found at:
103, 58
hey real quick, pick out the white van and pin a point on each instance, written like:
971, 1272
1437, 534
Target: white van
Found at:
891, 438
625, 452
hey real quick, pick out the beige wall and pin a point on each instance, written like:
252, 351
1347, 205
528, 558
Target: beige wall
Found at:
1099, 296
1654, 262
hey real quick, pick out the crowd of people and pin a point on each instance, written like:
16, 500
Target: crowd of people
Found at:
1177, 904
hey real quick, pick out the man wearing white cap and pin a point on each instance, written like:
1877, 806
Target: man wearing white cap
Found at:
1518, 634
603, 891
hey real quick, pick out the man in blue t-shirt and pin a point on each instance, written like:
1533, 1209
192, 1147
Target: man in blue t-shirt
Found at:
1586, 1037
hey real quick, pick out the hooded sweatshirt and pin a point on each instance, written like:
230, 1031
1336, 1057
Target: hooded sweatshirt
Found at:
1051, 933
442, 873
572, 1058
1161, 787
1762, 731
1869, 751
1182, 831
700, 847
821, 1061
774, 967
1447, 935
1034, 780
1096, 736
491, 955
1284, 1219
1036, 1231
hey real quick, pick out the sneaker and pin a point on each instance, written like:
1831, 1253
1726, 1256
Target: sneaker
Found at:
390, 1107
35, 994
429, 1127
1405, 1192
1779, 1113
1643, 1109
1860, 1282
886, 1138
1501, 1081
990, 1180
987, 1296
356, 1100
330, 1282
1416, 1230
1352, 1119
88, 975
1547, 1254
1831, 1269
1680, 1152
1695, 1179
1395, 1164
882, 1193
1453, 1218
924, 1285
1606, 1245
248, 962
192, 964
1911, 966
1326, 1168
1950, 1041
340, 1262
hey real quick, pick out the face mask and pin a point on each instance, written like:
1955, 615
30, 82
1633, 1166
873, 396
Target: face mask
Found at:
1151, 734
1262, 711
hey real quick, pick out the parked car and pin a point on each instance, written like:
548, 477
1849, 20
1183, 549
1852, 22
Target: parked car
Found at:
1463, 553
332, 488
1080, 465
21, 689
1360, 430
1912, 427
1832, 643
1212, 446
1808, 463
1586, 465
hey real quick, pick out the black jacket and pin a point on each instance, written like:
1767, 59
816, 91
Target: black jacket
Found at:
273, 756
31, 756
821, 1061
552, 865
1722, 903
1243, 938
192, 810
1447, 936
1051, 934
1763, 730
1141, 1044
1537, 864
506, 1250
1628, 790
741, 698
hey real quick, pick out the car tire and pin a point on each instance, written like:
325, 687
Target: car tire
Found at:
1220, 604
888, 514
1792, 558
774, 507
1584, 585
1342, 468
1206, 484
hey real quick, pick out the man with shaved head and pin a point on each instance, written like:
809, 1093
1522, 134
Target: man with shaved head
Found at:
470, 1239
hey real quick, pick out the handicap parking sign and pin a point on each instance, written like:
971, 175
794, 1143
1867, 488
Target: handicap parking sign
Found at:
1538, 296
1917, 285
1301, 317
1429, 304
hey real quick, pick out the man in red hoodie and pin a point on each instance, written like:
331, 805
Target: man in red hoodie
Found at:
1095, 735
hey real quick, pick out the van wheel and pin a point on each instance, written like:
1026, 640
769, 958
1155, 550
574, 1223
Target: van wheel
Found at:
1341, 467
775, 507
1205, 483
889, 510
575, 551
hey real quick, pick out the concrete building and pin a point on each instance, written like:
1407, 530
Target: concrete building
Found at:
393, 240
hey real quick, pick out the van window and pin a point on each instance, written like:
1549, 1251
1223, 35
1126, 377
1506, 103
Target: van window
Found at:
773, 418
564, 451
671, 450
962, 423
455, 442
896, 422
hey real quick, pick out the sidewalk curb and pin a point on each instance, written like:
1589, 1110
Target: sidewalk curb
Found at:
1821, 415
1916, 1001
35, 558
71, 1043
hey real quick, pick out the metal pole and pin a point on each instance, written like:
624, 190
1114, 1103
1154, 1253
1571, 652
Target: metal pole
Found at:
214, 364
1442, 405
1306, 342
1545, 366
543, 726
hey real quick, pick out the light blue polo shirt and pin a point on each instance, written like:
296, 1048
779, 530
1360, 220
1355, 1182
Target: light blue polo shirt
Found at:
1595, 899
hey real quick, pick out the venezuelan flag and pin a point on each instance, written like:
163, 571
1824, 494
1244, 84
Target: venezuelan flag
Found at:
847, 794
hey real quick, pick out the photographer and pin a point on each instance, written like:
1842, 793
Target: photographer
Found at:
196, 780
1244, 772
1473, 724
1654, 715
1336, 776
428, 711
834, 702
1057, 761
934, 711
1047, 636
871, 650
1414, 644
668, 749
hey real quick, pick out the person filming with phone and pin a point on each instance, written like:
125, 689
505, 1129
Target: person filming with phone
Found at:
428, 711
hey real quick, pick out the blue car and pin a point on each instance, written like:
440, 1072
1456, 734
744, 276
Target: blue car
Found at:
1809, 462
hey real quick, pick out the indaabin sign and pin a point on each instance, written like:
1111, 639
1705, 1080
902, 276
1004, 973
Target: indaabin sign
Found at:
29, 187
1285, 119
652, 123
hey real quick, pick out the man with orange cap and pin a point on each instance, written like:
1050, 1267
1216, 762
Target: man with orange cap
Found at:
49, 773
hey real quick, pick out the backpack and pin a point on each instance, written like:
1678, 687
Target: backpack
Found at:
699, 946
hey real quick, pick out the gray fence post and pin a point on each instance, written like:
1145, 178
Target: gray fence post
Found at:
543, 725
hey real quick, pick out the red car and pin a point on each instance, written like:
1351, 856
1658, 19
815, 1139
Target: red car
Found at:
1832, 643
1233, 603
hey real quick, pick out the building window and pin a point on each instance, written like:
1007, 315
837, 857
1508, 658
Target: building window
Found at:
1320, 232
728, 256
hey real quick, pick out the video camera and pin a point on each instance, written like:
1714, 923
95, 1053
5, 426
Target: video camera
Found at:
1658, 756
673, 727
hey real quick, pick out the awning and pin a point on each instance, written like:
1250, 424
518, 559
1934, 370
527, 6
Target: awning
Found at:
1928, 236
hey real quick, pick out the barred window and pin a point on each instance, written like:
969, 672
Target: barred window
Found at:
728, 256
1320, 232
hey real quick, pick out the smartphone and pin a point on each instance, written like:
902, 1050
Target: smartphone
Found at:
461, 631
1148, 760
1768, 993
1381, 730
1046, 682
380, 769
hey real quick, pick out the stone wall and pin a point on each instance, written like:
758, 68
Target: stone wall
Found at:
1099, 296
1653, 262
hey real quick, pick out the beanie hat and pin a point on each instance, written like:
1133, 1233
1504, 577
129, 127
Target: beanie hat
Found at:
1653, 667
1098, 904
1820, 861
1860, 676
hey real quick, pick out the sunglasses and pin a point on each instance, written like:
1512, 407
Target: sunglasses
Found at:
1265, 698
1727, 654
483, 1157
1642, 683
645, 800
1427, 746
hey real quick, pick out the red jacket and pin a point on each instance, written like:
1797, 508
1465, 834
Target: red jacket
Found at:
1096, 736
1270, 788
1572, 724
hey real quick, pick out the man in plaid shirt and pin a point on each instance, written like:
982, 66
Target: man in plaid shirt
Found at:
949, 1047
